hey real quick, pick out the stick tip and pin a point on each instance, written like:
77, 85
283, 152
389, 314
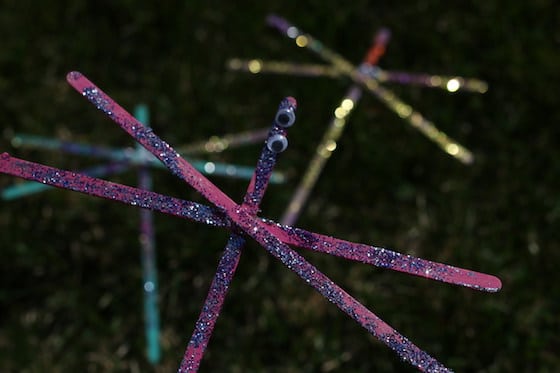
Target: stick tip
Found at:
278, 22
272, 18
495, 284
484, 282
285, 116
73, 75
383, 35
291, 101
467, 159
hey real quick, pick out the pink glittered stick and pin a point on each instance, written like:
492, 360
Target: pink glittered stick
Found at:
213, 304
229, 260
384, 258
145, 136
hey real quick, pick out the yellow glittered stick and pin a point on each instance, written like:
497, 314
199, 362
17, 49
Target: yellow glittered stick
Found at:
322, 154
448, 83
257, 66
332, 135
217, 144
405, 111
416, 120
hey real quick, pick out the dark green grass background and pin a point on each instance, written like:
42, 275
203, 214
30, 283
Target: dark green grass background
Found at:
70, 280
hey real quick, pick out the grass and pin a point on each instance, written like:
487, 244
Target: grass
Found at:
70, 275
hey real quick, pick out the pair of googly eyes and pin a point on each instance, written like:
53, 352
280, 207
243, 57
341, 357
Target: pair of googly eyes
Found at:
284, 118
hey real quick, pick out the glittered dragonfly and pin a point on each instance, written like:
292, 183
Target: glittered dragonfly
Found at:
243, 222
367, 76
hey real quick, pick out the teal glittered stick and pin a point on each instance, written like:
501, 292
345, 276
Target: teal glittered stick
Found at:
148, 255
135, 158
125, 158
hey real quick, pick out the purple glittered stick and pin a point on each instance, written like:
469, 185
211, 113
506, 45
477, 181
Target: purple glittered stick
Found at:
275, 144
402, 77
21, 190
229, 260
112, 191
380, 257
278, 22
250, 225
213, 304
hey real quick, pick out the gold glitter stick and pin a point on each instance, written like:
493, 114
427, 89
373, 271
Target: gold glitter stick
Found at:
217, 144
332, 135
322, 154
257, 66
448, 83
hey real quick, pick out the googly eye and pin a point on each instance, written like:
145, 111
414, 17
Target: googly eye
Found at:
285, 117
277, 143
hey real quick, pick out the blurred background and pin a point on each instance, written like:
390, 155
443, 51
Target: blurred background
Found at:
70, 290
